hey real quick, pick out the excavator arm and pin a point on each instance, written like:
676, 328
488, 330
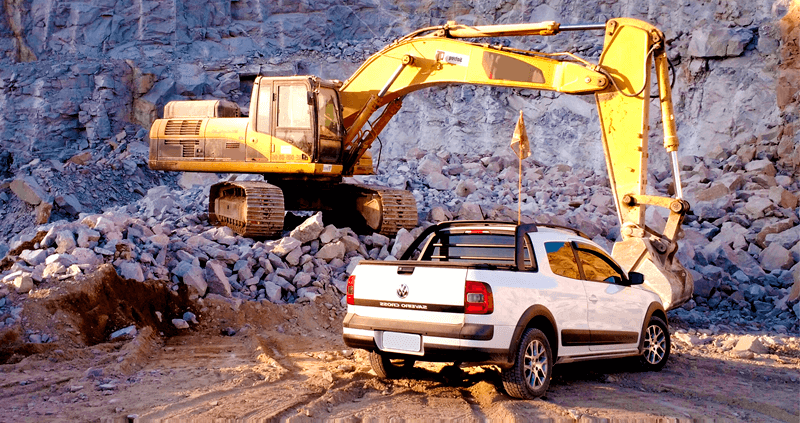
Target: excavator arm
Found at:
620, 82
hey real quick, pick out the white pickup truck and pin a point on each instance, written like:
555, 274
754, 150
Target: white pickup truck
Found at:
523, 297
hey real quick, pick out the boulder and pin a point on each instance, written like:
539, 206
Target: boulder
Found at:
34, 257
752, 344
309, 230
293, 258
440, 182
216, 279
302, 279
379, 240
761, 167
465, 188
351, 243
715, 191
470, 211
53, 269
756, 207
194, 279
69, 204
440, 214
329, 234
401, 241
430, 165
285, 246
23, 284
180, 324
776, 257
127, 332
773, 228
86, 256
332, 251
787, 239
87, 238
28, 190
131, 270
353, 263
272, 291
732, 181
147, 107
732, 235
187, 180
782, 197
65, 241
717, 41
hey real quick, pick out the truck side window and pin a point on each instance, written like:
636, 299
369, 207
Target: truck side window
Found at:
293, 108
562, 259
264, 111
597, 266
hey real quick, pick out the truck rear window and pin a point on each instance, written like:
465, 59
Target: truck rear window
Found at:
495, 249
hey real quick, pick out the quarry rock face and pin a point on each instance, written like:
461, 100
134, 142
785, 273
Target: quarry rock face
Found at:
80, 84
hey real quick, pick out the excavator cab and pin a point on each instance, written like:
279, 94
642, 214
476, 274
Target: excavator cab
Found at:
294, 115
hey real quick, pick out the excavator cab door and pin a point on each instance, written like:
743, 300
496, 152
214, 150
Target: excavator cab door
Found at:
330, 128
260, 131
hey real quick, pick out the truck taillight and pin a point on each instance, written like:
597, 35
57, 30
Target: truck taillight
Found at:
351, 287
478, 298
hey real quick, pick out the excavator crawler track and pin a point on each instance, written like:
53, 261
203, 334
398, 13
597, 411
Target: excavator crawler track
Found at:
387, 210
251, 208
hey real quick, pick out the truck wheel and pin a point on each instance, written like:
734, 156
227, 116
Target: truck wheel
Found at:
529, 378
656, 345
385, 368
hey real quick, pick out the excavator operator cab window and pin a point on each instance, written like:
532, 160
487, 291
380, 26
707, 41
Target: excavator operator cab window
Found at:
328, 113
293, 108
329, 121
264, 112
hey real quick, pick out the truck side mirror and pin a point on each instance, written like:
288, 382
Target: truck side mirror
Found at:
635, 278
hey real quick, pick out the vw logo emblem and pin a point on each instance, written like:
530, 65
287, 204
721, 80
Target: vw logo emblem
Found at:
402, 292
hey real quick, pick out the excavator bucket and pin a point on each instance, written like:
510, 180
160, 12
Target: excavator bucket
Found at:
663, 273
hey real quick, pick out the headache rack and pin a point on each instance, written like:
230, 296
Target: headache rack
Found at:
501, 243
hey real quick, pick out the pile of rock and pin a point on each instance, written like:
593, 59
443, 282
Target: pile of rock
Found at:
162, 243
741, 241
742, 238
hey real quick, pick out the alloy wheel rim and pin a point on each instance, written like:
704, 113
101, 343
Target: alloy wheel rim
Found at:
535, 364
655, 344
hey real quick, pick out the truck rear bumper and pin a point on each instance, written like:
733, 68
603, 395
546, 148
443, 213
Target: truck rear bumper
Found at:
441, 342
469, 331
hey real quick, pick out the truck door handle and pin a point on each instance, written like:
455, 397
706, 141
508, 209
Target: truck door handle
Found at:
593, 298
407, 270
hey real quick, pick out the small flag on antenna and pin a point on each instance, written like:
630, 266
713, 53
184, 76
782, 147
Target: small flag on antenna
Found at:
519, 142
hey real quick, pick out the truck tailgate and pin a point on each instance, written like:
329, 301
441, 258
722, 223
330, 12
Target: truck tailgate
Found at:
417, 293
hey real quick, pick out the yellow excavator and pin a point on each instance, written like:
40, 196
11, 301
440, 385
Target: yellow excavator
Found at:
304, 133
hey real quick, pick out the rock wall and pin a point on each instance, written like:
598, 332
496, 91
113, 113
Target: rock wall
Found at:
76, 73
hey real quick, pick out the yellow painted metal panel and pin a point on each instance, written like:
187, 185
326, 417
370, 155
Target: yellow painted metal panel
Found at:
624, 119
219, 166
438, 61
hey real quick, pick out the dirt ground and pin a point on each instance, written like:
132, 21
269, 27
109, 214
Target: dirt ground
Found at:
260, 361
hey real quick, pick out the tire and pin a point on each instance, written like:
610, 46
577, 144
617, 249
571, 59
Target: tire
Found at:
655, 345
530, 376
386, 369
